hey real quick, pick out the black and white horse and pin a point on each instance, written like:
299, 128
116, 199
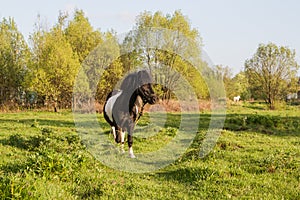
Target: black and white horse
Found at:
123, 107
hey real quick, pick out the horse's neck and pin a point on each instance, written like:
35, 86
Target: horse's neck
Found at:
135, 100
136, 108
139, 101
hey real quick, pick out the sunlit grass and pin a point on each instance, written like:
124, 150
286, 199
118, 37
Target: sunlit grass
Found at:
257, 156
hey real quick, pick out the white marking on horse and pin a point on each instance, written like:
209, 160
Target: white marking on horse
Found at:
110, 104
114, 132
122, 141
131, 154
136, 110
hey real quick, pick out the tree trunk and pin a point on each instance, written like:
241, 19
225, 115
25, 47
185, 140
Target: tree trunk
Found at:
55, 107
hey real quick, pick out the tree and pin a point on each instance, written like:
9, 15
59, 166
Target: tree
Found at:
81, 35
14, 57
225, 74
58, 54
240, 86
54, 66
170, 56
107, 58
270, 71
234, 85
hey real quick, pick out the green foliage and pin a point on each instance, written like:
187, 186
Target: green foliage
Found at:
42, 158
237, 85
111, 62
179, 44
241, 86
256, 156
55, 66
14, 57
271, 71
80, 34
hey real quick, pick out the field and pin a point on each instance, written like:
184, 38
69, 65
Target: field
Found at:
256, 157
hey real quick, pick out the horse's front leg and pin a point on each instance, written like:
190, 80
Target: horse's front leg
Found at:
113, 130
130, 140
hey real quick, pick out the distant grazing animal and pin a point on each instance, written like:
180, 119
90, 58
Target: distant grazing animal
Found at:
123, 107
291, 96
236, 99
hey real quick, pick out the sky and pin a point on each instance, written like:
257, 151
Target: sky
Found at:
231, 30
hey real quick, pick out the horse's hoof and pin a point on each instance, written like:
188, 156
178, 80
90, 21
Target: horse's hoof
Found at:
131, 155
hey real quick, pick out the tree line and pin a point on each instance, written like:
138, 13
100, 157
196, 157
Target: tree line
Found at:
42, 71
269, 75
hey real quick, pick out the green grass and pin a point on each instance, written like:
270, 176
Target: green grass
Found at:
256, 157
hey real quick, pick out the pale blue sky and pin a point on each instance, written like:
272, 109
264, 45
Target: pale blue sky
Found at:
231, 30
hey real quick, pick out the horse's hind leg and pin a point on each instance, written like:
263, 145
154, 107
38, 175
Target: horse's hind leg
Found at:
120, 138
122, 141
118, 135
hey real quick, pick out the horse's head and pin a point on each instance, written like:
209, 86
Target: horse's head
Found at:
147, 93
140, 83
145, 88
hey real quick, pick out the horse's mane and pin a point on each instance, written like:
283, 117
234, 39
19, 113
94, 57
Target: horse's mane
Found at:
133, 80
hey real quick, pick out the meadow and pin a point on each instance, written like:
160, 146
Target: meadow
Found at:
257, 156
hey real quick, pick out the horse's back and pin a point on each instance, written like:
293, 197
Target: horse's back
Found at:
109, 104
